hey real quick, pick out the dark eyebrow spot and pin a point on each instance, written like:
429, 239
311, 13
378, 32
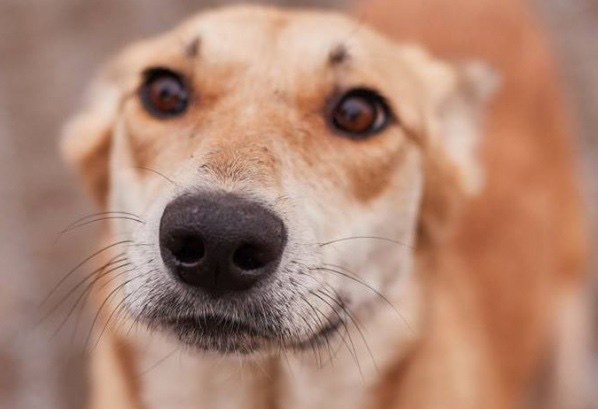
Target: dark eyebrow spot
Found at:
192, 49
339, 55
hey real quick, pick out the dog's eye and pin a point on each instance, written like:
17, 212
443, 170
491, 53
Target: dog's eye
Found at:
360, 112
164, 93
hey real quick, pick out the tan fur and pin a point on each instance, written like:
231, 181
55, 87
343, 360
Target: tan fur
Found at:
498, 244
522, 240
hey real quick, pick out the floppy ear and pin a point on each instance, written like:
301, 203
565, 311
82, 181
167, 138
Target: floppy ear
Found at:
87, 137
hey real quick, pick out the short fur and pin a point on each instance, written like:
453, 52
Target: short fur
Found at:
476, 254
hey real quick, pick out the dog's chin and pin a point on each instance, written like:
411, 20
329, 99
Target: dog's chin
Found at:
219, 334
224, 336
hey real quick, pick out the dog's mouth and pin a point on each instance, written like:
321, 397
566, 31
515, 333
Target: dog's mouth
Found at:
218, 333
213, 325
234, 336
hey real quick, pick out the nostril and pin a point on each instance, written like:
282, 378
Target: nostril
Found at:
188, 250
249, 257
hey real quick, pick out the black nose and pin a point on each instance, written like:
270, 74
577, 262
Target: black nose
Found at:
220, 242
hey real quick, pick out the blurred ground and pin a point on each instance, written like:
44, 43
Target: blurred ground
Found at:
48, 52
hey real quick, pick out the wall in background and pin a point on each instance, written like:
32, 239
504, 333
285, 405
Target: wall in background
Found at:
574, 29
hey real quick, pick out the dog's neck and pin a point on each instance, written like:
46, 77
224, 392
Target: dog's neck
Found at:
344, 374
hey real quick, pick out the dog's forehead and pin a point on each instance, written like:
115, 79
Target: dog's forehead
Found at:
249, 34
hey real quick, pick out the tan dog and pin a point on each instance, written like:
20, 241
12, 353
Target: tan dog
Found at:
296, 222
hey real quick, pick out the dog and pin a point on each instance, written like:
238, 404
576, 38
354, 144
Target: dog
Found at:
304, 213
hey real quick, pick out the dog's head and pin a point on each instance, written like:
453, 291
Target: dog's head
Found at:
274, 171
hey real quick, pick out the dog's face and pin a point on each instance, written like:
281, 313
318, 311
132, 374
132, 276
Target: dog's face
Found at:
276, 164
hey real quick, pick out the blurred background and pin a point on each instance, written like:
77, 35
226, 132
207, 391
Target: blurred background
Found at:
48, 52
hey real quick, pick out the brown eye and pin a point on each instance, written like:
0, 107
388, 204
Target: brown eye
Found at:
164, 93
360, 112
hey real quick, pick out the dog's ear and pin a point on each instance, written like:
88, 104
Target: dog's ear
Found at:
455, 100
87, 137
457, 120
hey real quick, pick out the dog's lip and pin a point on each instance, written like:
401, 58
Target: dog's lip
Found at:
214, 325
323, 334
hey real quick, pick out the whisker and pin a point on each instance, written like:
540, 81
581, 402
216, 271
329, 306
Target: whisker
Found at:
343, 322
86, 260
157, 173
87, 291
97, 315
135, 321
114, 260
119, 274
317, 314
112, 314
336, 300
353, 351
368, 286
88, 222
283, 351
137, 318
310, 328
160, 361
107, 213
367, 238
121, 258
